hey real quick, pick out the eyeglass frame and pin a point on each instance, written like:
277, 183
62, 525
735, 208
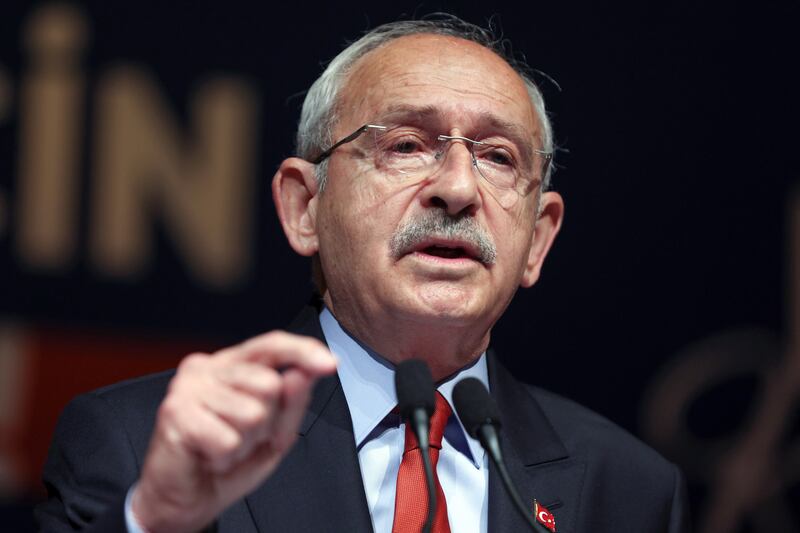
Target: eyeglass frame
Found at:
548, 156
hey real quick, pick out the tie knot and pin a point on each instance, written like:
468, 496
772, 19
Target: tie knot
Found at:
439, 419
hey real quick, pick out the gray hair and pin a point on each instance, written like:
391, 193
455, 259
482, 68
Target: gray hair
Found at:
318, 117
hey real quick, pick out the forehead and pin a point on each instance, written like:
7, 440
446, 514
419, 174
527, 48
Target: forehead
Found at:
467, 84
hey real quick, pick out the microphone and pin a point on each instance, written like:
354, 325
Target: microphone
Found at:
416, 401
478, 413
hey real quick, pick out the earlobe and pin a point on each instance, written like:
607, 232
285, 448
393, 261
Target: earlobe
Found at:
547, 225
294, 191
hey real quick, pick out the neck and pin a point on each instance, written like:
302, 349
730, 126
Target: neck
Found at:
445, 346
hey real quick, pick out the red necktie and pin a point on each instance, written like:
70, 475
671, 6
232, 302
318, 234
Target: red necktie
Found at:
411, 500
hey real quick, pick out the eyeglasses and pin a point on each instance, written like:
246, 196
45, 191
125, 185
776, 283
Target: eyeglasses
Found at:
406, 153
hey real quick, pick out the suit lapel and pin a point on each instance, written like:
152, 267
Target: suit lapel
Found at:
535, 456
318, 486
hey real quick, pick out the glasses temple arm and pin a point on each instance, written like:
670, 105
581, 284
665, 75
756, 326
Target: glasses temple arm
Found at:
353, 136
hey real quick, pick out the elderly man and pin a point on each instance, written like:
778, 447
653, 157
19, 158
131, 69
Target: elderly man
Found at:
420, 192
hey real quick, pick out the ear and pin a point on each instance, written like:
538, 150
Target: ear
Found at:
545, 230
294, 191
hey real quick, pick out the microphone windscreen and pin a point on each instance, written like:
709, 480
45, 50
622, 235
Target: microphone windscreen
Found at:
414, 386
474, 405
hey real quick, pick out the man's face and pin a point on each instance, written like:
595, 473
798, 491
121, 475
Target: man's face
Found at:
453, 87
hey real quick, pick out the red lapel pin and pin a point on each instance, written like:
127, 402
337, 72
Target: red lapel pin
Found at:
544, 517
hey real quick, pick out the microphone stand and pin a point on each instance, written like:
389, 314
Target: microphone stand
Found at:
419, 425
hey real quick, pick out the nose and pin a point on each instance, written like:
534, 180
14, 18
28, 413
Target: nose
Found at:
454, 186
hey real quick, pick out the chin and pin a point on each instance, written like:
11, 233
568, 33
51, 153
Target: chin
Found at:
445, 302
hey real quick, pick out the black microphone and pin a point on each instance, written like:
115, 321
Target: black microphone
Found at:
478, 413
416, 401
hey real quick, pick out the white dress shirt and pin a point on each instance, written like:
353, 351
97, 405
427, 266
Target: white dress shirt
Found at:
368, 384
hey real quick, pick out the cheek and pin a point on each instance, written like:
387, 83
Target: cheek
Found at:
513, 242
356, 224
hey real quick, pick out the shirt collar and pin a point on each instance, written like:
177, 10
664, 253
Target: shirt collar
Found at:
368, 385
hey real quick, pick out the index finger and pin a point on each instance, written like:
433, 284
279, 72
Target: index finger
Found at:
279, 349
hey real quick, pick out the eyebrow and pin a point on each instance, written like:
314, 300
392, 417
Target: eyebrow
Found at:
410, 112
426, 114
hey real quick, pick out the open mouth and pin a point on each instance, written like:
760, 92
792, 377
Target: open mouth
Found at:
447, 252
447, 249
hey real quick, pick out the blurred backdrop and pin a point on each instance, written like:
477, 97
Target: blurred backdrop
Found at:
138, 141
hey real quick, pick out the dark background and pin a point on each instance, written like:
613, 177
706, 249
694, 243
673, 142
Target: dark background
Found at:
677, 125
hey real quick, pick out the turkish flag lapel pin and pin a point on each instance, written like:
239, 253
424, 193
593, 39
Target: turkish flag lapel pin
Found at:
544, 517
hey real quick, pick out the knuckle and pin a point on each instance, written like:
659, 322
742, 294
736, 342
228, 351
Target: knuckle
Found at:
269, 385
253, 416
270, 337
171, 426
312, 343
170, 408
227, 444
277, 334
193, 362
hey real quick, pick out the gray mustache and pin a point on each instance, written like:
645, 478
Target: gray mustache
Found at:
437, 223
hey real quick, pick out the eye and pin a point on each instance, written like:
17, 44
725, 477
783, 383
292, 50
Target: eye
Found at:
405, 146
496, 156
499, 157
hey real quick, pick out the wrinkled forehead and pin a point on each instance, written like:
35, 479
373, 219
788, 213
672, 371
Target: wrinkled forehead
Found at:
456, 82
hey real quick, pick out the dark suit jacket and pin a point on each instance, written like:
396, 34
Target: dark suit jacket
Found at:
593, 476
